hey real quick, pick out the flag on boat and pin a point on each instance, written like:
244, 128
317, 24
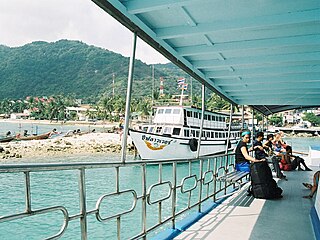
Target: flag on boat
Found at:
181, 81
184, 86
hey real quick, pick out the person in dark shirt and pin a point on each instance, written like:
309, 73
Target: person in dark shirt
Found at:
243, 158
261, 154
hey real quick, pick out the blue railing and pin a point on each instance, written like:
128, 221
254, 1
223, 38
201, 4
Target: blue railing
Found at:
166, 191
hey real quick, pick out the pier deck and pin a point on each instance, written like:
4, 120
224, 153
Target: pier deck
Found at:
243, 217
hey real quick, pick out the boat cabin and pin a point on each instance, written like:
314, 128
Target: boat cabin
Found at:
183, 121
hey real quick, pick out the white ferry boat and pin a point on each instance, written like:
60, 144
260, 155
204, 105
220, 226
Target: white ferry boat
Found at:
175, 131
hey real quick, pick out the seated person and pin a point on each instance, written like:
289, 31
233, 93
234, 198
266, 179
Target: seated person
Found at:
261, 154
243, 159
313, 187
267, 145
277, 145
290, 162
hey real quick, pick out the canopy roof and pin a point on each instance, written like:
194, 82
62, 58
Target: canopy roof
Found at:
265, 54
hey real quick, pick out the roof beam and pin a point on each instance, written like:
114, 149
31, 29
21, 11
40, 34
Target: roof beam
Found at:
264, 71
250, 45
287, 101
141, 6
244, 61
289, 78
311, 16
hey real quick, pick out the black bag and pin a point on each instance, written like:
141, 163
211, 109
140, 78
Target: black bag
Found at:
260, 173
267, 191
262, 182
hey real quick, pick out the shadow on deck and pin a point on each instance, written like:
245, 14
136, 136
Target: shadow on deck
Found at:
243, 217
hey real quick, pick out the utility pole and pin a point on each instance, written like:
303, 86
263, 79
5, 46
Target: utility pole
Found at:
113, 85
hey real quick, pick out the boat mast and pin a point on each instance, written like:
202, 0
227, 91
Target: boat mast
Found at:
128, 100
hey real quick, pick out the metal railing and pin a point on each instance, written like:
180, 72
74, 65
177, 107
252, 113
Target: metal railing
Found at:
194, 179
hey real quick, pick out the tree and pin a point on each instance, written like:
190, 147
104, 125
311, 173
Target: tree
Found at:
312, 118
275, 120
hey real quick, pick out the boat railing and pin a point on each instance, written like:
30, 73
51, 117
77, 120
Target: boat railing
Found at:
190, 179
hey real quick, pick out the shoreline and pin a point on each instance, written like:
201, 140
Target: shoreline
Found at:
90, 143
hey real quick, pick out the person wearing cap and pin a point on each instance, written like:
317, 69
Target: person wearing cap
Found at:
243, 158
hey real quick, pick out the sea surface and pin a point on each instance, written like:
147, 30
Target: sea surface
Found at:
61, 188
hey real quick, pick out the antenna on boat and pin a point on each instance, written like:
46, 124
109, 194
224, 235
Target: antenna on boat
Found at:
183, 86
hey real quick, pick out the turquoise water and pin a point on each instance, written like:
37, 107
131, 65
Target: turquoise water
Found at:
61, 188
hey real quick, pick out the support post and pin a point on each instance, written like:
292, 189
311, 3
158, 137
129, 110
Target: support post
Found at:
229, 128
202, 119
242, 120
128, 100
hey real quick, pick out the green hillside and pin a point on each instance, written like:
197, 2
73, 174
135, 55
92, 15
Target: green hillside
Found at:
75, 68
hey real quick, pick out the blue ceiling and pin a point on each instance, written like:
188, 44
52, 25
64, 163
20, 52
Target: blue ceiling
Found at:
261, 53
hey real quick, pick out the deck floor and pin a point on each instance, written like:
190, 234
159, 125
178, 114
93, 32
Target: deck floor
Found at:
243, 217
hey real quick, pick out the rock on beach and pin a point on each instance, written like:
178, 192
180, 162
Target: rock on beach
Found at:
78, 144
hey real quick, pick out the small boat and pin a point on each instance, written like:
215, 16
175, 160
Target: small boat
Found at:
34, 137
175, 131
6, 139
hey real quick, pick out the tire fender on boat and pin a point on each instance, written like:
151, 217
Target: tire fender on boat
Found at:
193, 143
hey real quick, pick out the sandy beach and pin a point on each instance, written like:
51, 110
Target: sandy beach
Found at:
90, 143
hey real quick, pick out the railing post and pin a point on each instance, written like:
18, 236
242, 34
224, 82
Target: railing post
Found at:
160, 203
226, 172
200, 184
174, 193
144, 201
28, 192
117, 190
83, 206
215, 170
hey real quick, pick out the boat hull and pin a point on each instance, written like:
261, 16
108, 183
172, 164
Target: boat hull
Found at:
153, 146
34, 137
6, 139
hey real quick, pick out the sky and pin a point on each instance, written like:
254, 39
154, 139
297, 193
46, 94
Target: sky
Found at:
25, 21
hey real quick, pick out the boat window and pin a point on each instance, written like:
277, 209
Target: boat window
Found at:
212, 134
193, 133
160, 111
177, 111
216, 135
189, 114
213, 118
209, 117
223, 135
150, 130
144, 129
158, 130
186, 133
220, 135
168, 111
208, 134
203, 134
223, 119
199, 115
195, 115
167, 130
176, 131
206, 117
197, 134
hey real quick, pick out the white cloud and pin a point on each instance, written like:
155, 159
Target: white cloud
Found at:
24, 21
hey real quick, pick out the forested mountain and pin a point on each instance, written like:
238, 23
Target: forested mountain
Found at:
75, 68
